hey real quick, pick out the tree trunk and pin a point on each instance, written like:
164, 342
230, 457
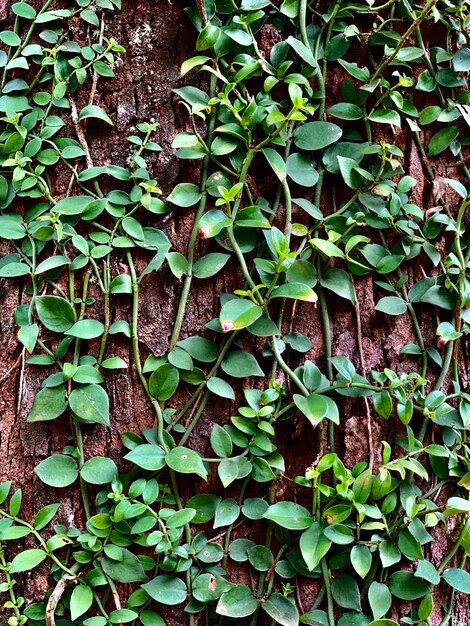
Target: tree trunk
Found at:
158, 37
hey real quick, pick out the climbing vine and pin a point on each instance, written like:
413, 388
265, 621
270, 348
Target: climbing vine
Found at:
359, 531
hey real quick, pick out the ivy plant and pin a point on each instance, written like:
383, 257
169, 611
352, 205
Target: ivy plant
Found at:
240, 555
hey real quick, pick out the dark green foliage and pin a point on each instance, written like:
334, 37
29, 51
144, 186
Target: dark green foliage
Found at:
359, 530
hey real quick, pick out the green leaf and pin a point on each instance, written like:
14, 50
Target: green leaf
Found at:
383, 404
281, 609
426, 82
80, 600
392, 305
13, 533
314, 545
210, 264
48, 404
199, 348
361, 73
52, 263
221, 441
99, 470
298, 342
56, 314
316, 135
191, 63
220, 388
209, 587
408, 545
186, 461
90, 403
345, 111
147, 456
205, 505
4, 490
302, 50
361, 560
163, 382
122, 616
461, 60
57, 470
73, 205
290, 8
45, 515
86, 329
121, 284
22, 9
328, 248
226, 513
296, 291
314, 407
350, 172
458, 579
237, 603
339, 534
133, 228
409, 53
185, 195
261, 558
380, 599
237, 313
389, 553
150, 618
92, 110
264, 327
301, 169
15, 503
28, 335
241, 364
212, 222
208, 36
276, 162
427, 571
345, 592
289, 515
27, 560
169, 590
228, 471
180, 518
442, 140
13, 270
178, 263
340, 283
406, 586
113, 363
386, 116
128, 570
459, 188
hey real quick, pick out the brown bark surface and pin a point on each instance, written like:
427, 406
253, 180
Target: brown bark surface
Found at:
158, 38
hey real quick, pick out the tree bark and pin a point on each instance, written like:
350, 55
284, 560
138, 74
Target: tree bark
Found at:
158, 37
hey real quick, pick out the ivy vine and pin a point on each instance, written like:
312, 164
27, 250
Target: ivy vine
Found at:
358, 531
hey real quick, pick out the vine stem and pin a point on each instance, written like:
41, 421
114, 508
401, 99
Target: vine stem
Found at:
404, 38
194, 233
77, 430
187, 530
10, 582
136, 351
286, 369
57, 594
329, 595
461, 536
306, 42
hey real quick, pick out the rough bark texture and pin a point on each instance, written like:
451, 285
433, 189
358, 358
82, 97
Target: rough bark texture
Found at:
158, 37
